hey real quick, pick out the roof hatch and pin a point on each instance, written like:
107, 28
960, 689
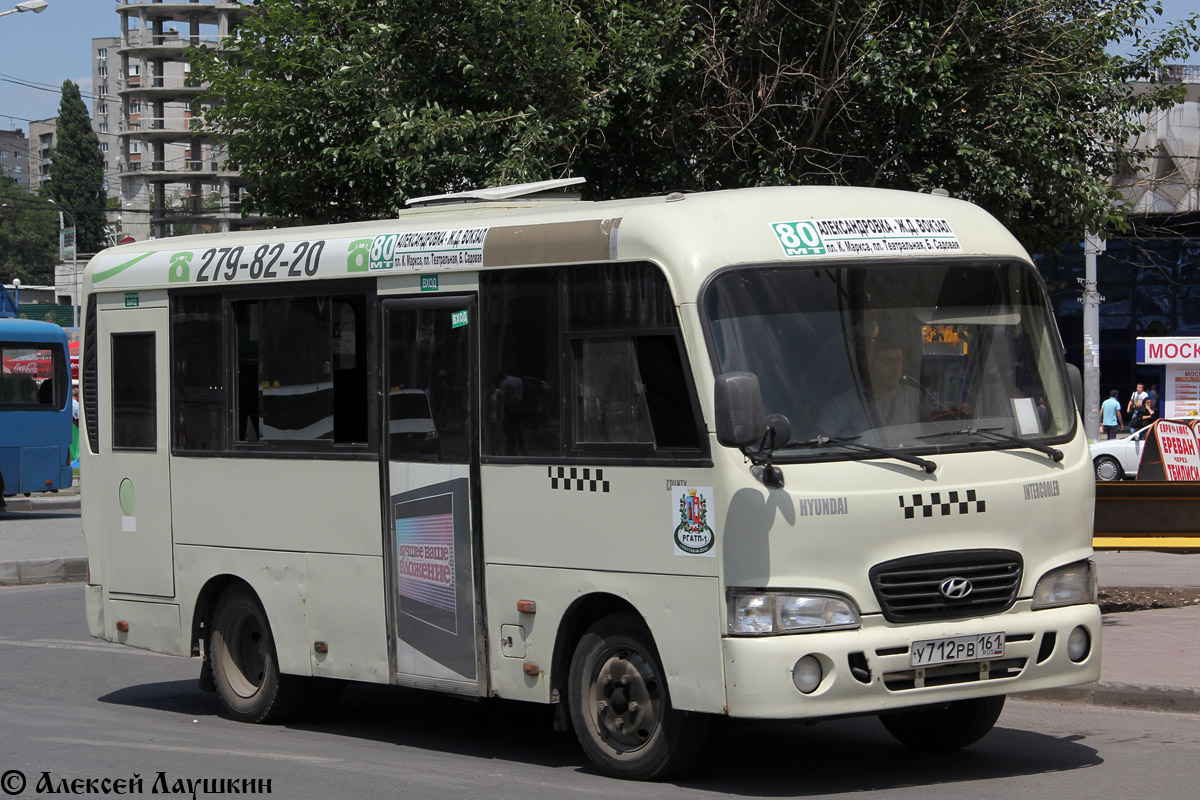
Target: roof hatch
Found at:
537, 190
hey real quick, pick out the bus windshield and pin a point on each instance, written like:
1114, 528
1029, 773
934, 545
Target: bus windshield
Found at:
932, 356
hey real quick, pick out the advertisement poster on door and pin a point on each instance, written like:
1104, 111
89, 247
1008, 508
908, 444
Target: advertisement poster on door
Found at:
434, 583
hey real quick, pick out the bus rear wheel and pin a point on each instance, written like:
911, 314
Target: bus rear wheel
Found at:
620, 707
945, 727
244, 664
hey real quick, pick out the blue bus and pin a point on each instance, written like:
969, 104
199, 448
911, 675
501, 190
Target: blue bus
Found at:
35, 408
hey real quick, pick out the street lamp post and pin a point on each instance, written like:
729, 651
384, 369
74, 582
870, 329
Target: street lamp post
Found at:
36, 6
74, 259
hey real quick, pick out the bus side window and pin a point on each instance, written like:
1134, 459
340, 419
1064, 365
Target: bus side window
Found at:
301, 373
520, 363
349, 371
600, 342
198, 382
667, 397
135, 415
610, 398
632, 390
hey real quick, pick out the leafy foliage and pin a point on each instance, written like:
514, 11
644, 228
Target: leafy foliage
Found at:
28, 235
77, 171
342, 109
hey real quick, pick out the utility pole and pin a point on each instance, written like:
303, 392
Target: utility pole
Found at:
1091, 300
62, 240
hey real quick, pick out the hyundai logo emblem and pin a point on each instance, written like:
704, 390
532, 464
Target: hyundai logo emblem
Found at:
955, 588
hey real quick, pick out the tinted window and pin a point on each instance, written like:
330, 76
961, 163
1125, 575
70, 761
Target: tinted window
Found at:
611, 344
198, 367
429, 385
134, 413
300, 372
521, 363
618, 297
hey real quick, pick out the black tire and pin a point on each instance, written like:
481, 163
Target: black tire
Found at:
945, 727
1108, 469
621, 708
245, 667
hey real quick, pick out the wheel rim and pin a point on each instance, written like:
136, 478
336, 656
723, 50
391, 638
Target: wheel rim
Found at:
1107, 470
625, 698
246, 647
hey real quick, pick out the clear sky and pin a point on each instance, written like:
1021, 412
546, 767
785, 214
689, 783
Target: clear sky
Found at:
47, 48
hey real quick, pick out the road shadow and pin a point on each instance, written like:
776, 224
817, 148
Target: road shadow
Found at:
12, 516
850, 756
747, 759
179, 697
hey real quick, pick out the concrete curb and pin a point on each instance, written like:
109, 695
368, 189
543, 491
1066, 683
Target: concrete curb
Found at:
43, 570
1183, 699
66, 500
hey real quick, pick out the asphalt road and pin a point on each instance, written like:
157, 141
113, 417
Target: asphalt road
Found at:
76, 708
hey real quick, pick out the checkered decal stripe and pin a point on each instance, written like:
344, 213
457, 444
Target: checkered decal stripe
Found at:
944, 503
578, 479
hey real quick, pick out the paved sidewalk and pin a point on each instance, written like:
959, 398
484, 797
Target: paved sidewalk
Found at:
53, 558
1151, 659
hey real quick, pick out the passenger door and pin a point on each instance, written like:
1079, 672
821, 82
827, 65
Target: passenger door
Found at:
431, 482
135, 485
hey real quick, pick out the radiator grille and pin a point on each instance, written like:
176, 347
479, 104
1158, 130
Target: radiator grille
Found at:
908, 589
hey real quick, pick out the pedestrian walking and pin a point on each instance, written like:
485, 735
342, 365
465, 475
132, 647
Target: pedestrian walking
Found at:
1110, 415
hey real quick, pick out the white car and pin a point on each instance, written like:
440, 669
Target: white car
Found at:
1118, 458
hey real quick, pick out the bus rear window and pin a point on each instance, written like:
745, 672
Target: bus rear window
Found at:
28, 376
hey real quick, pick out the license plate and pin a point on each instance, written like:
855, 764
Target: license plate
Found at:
956, 648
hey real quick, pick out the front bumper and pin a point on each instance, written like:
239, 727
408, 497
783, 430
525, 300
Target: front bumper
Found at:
758, 671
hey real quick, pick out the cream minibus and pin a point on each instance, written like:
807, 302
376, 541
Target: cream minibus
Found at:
776, 453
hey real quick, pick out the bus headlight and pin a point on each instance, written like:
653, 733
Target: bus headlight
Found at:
1066, 586
757, 613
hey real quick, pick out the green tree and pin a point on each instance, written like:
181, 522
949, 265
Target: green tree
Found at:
1013, 104
77, 171
341, 109
28, 235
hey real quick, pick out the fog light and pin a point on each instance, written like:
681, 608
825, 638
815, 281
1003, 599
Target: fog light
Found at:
1079, 644
807, 674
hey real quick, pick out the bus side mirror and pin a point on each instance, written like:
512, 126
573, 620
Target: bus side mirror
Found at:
739, 410
1075, 378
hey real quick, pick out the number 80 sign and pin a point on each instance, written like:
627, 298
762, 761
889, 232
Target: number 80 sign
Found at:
799, 238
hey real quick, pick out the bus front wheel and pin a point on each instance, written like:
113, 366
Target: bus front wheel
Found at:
620, 707
244, 664
946, 727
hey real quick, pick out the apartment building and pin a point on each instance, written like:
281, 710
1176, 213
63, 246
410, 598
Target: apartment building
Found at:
106, 108
43, 138
173, 177
14, 156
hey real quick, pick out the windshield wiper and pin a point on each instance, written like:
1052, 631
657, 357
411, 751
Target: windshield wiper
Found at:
849, 442
993, 433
